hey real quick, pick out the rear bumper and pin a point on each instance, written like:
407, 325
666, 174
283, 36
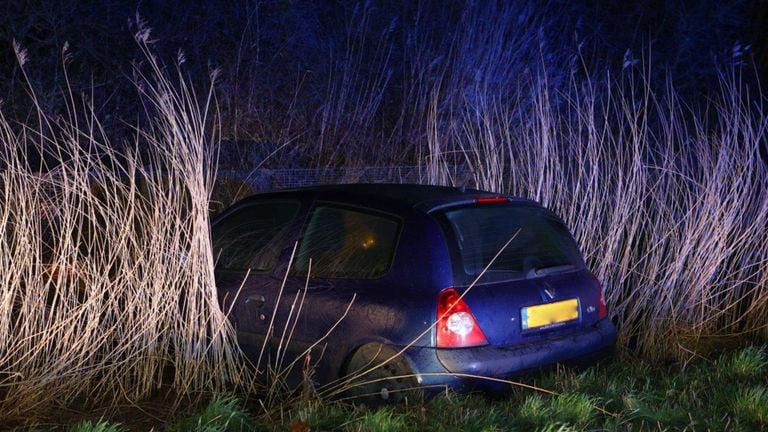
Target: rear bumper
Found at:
440, 368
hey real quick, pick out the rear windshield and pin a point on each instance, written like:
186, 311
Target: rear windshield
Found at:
541, 242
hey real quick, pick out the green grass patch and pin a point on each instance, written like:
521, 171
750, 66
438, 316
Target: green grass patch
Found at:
749, 362
729, 392
385, 420
751, 407
222, 414
98, 426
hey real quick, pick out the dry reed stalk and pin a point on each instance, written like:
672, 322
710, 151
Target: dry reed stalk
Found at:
124, 292
669, 203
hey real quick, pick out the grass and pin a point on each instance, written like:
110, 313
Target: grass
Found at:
750, 362
625, 394
668, 200
222, 414
99, 426
107, 287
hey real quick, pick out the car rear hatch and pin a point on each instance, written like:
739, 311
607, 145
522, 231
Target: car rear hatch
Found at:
522, 271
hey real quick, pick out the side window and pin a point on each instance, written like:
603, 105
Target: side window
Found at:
252, 237
347, 244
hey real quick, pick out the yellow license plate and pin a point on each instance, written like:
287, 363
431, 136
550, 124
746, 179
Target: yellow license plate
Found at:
551, 313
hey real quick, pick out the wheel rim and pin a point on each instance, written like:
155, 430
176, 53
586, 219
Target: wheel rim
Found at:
391, 382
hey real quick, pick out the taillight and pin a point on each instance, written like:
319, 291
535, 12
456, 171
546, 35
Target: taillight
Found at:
456, 326
602, 309
491, 200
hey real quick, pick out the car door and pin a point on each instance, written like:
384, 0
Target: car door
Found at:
343, 251
249, 243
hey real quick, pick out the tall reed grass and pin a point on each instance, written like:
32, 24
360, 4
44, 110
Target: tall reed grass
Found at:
669, 200
107, 286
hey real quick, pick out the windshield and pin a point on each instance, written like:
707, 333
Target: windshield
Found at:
541, 243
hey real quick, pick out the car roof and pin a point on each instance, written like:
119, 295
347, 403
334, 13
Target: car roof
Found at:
423, 197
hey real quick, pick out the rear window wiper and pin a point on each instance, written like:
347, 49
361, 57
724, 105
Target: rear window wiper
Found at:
543, 271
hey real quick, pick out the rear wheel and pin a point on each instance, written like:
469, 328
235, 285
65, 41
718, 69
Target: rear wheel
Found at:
377, 383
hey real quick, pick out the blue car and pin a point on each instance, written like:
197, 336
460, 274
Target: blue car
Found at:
390, 291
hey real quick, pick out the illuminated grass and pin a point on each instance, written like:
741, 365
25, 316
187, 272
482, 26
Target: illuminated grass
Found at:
625, 394
747, 363
222, 414
99, 426
106, 273
751, 407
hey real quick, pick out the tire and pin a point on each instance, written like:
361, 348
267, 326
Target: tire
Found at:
392, 382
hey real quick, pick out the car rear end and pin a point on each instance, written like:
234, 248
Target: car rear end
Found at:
522, 297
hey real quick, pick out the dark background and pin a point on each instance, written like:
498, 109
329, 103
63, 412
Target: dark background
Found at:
280, 62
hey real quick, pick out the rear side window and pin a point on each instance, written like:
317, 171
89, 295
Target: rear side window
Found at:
252, 237
346, 243
480, 232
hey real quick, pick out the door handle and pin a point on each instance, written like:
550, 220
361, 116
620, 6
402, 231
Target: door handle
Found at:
255, 300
